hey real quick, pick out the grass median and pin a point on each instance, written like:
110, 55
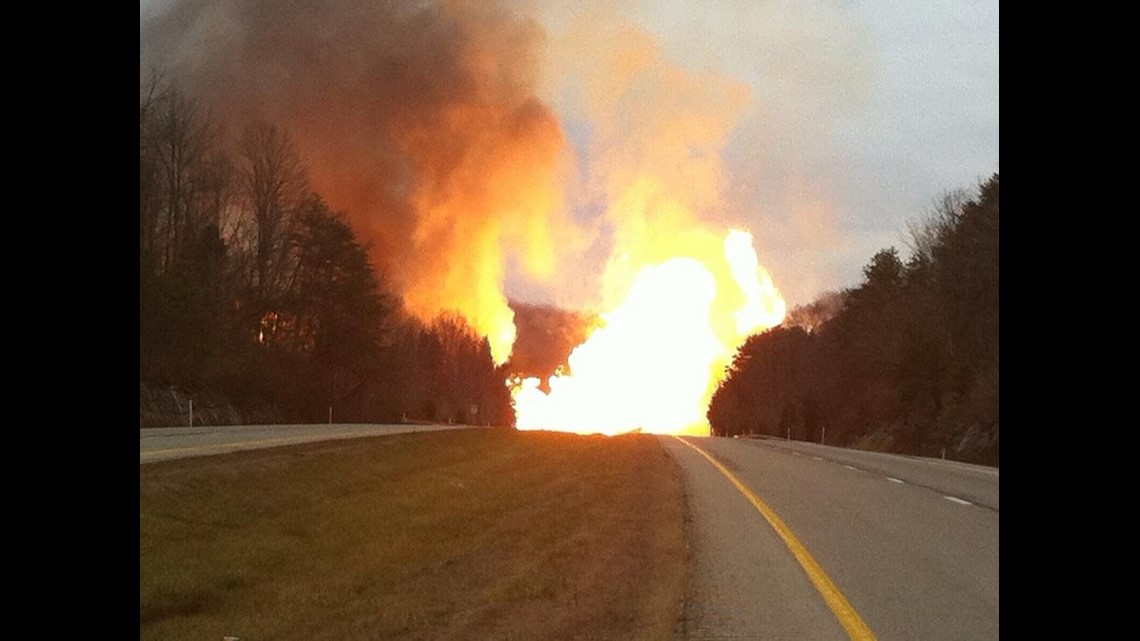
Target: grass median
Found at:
467, 534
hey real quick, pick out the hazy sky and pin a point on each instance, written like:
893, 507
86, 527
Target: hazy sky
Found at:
859, 115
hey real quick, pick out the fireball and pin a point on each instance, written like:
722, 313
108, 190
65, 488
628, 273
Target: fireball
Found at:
656, 361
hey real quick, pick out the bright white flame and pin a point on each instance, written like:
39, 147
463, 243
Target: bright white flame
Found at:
655, 362
765, 307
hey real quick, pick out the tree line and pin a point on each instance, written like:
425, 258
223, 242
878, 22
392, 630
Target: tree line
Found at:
907, 361
251, 287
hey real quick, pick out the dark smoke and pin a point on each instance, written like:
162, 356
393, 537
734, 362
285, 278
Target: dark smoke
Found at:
418, 118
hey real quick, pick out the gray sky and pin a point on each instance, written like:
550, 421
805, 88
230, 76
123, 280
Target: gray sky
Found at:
861, 114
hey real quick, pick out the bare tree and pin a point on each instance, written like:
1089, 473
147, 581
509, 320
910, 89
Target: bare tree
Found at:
812, 316
273, 186
924, 235
181, 173
151, 94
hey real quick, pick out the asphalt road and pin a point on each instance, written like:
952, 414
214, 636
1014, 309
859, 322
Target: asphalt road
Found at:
164, 443
910, 545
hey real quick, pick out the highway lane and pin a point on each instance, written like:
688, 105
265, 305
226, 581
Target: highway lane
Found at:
165, 443
911, 544
976, 483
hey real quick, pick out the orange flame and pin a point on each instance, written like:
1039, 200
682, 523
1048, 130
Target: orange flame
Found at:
655, 363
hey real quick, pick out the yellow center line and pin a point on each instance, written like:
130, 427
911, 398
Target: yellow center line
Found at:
848, 618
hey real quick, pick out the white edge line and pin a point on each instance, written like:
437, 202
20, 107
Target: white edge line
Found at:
957, 500
894, 480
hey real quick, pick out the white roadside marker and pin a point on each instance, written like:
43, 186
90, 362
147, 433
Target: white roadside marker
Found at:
957, 500
851, 468
816, 458
894, 480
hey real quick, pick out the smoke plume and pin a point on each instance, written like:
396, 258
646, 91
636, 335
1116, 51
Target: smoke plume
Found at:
418, 118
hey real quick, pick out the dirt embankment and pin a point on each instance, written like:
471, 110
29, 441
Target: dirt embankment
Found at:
970, 443
172, 407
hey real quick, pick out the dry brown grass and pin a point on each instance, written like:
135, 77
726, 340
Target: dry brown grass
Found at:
451, 535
